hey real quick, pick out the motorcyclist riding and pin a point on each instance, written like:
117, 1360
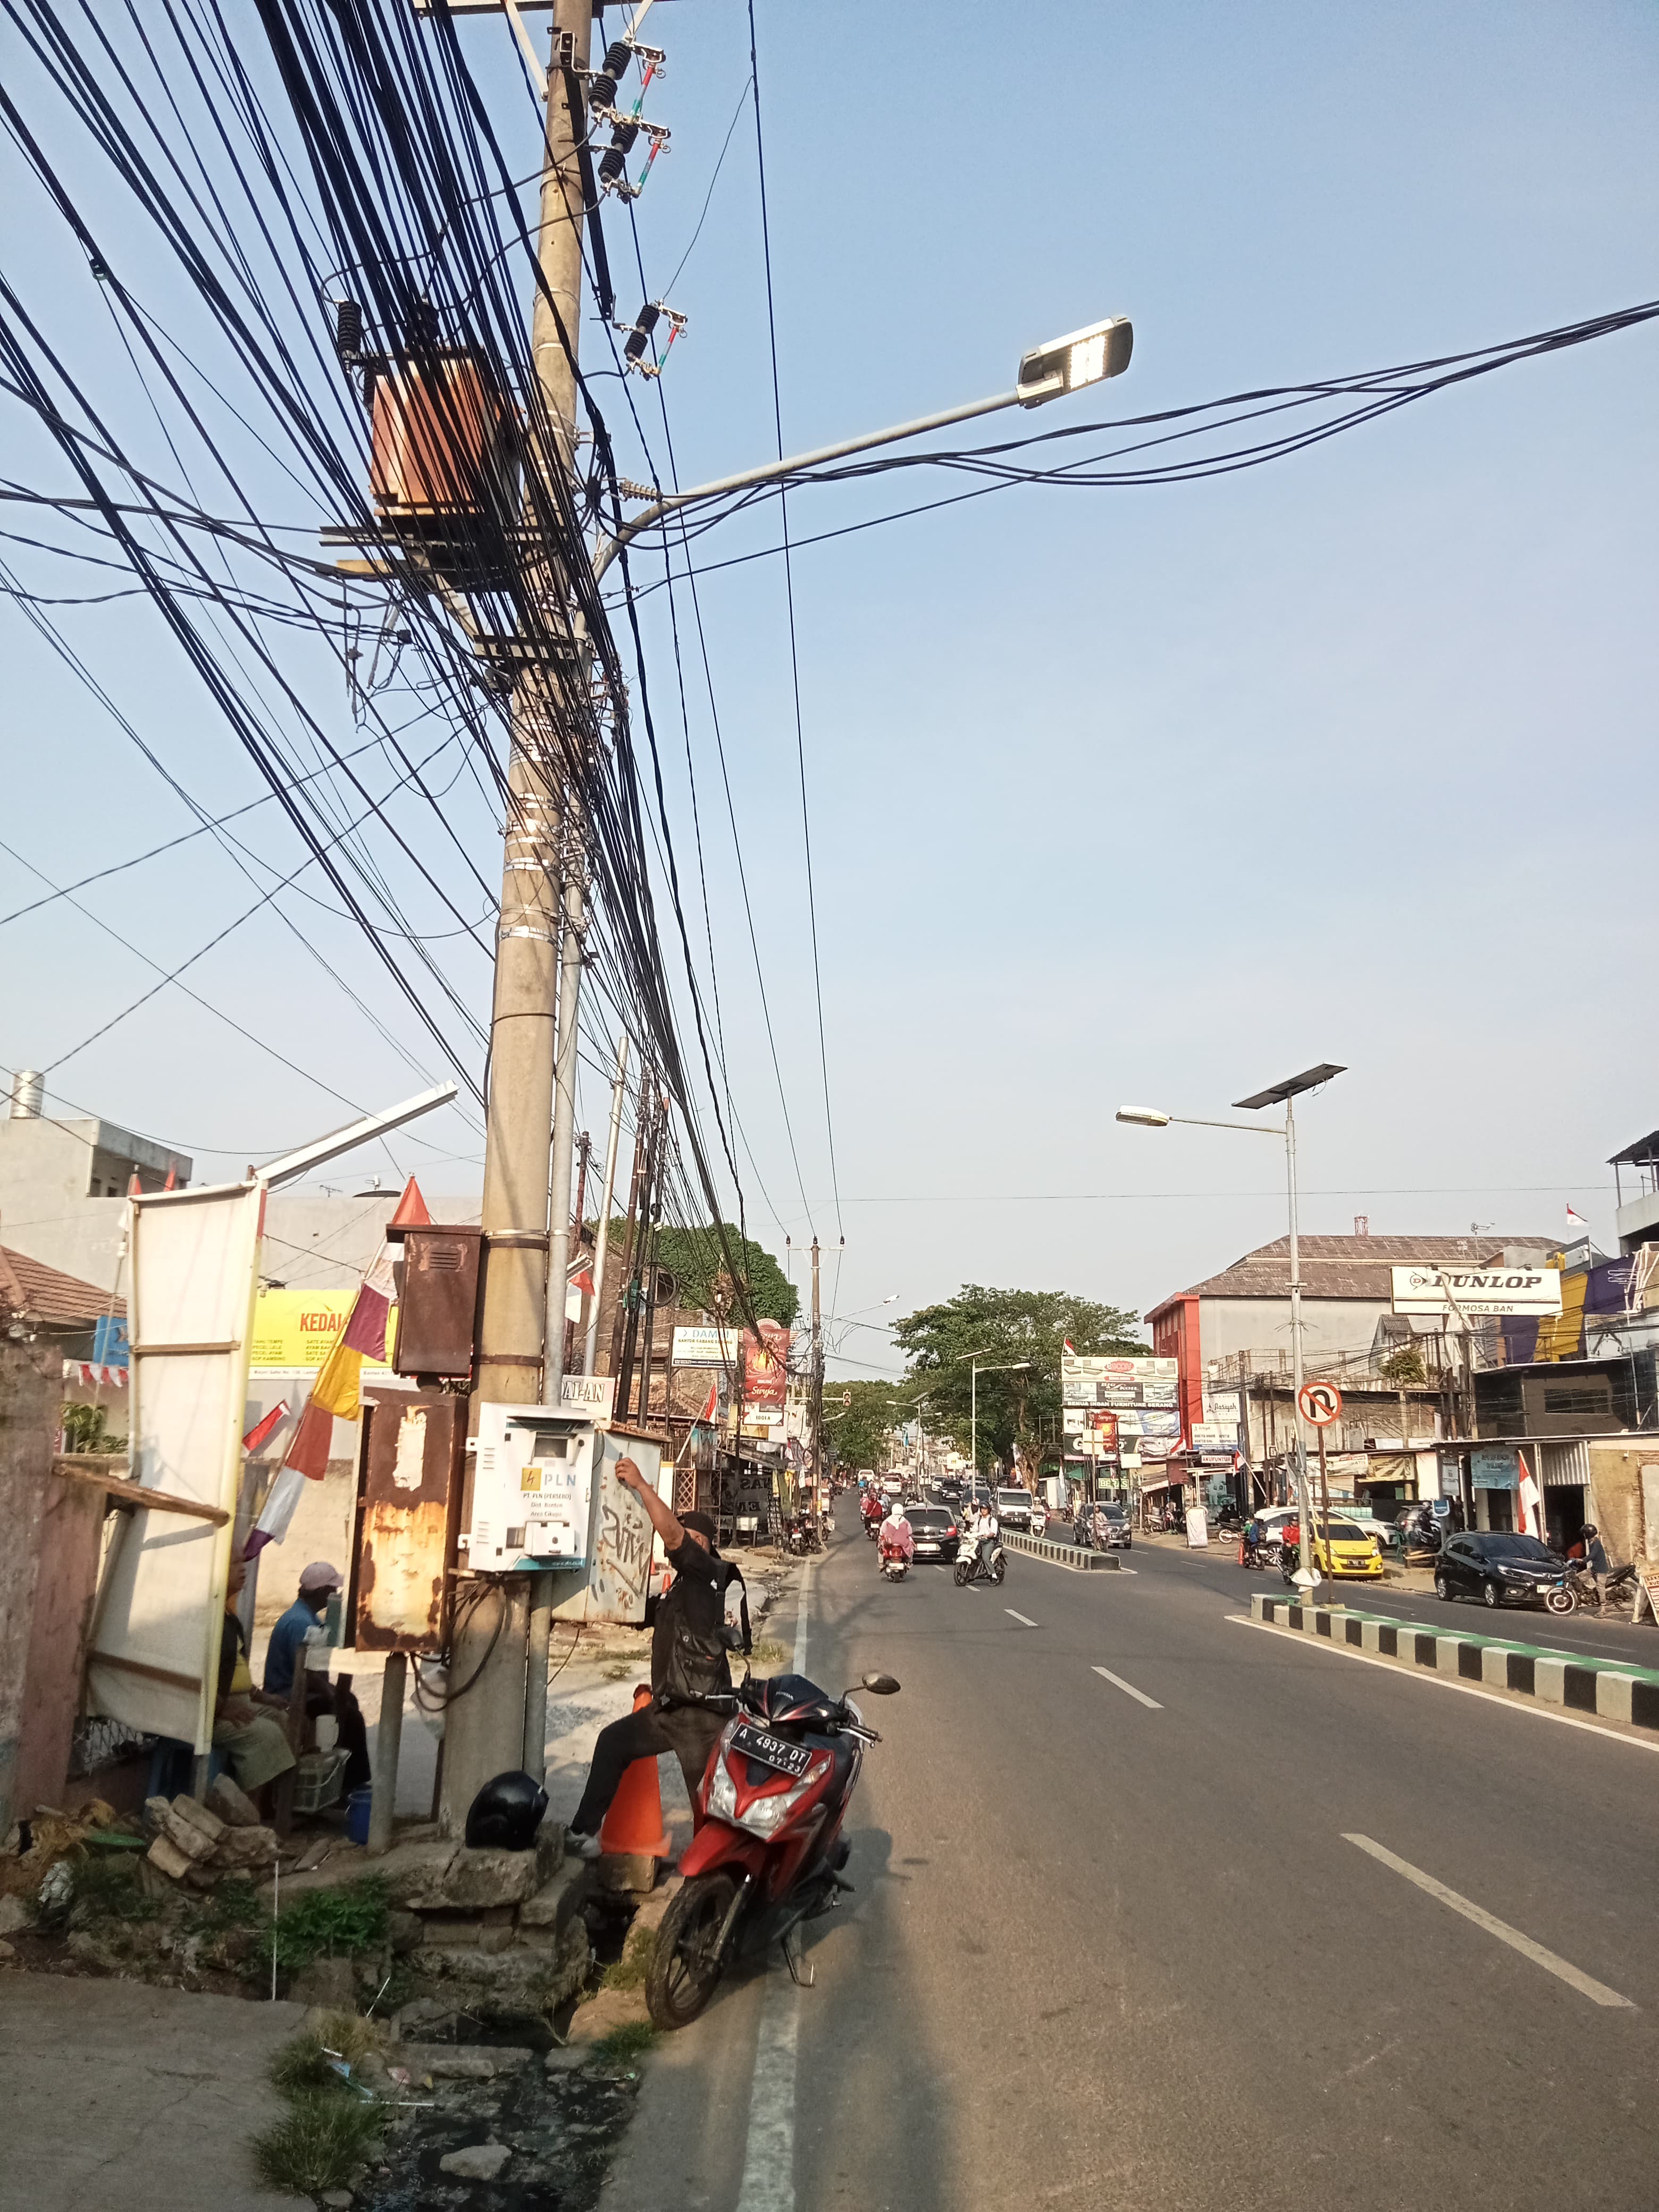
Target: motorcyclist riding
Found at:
896, 1542
984, 1533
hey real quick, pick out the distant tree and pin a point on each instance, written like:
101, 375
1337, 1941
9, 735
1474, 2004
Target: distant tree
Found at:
1002, 1327
860, 1433
697, 1260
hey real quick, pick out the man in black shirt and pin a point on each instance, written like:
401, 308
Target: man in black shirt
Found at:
688, 1658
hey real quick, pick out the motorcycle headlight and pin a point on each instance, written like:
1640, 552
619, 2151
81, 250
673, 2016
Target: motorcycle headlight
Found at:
722, 1794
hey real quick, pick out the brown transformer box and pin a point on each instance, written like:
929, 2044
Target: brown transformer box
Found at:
438, 1300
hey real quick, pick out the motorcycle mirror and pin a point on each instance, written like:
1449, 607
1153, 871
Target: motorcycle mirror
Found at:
879, 1686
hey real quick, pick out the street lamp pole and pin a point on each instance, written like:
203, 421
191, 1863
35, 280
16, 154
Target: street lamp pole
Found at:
1277, 1094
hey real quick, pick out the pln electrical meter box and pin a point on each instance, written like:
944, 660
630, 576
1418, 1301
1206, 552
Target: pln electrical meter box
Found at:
532, 1485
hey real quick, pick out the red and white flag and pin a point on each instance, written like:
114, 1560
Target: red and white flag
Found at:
1068, 1347
1576, 1221
263, 1431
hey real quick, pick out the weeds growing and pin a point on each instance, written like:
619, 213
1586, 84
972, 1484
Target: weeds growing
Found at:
321, 2139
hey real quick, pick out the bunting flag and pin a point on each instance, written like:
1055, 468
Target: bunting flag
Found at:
92, 1375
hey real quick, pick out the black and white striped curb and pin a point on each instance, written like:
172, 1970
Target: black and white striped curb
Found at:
1061, 1555
1571, 1679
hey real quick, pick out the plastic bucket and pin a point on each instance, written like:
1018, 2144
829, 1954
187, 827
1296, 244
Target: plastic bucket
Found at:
357, 1808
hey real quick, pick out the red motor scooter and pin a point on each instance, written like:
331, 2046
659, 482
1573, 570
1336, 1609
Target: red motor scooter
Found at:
768, 1850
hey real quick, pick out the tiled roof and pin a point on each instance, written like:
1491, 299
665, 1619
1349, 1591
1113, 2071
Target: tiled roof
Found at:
1349, 1266
50, 1298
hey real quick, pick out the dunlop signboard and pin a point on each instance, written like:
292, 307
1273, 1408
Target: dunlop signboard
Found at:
1477, 1291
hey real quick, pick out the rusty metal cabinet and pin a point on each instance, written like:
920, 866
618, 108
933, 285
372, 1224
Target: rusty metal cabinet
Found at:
408, 1503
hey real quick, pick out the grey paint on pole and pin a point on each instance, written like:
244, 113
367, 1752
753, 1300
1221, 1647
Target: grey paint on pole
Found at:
388, 1744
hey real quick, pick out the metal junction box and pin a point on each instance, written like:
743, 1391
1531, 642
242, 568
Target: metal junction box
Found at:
437, 1300
532, 1482
409, 1508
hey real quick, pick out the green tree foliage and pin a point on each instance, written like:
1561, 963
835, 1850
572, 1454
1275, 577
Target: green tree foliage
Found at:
859, 1433
1002, 1327
697, 1260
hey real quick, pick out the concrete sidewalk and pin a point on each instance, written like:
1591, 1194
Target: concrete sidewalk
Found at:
111, 2094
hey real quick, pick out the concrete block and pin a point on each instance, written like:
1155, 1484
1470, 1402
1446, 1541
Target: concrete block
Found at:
1549, 1684
1494, 1667
190, 1840
1370, 1636
166, 1858
477, 1878
185, 1809
557, 1900
625, 1871
1613, 1694
243, 1851
232, 1806
1446, 1654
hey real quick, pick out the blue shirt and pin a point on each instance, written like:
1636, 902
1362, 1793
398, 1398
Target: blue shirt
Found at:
287, 1641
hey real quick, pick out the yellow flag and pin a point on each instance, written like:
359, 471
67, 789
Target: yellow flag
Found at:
336, 1390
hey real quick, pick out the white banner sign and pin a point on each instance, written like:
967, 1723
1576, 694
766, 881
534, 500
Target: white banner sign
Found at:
195, 1269
706, 1347
1481, 1291
592, 1394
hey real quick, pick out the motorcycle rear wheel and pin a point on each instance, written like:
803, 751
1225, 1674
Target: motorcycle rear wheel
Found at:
998, 1570
685, 1967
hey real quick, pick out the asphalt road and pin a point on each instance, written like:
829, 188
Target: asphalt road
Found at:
1112, 1945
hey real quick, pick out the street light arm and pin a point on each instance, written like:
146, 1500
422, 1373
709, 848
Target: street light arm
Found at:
768, 472
1250, 1128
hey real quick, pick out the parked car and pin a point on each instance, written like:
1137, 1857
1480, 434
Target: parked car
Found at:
1499, 1569
1013, 1510
1348, 1554
935, 1528
1102, 1527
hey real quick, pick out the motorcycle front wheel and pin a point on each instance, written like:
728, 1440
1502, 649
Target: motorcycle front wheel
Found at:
685, 1965
963, 1574
1561, 1600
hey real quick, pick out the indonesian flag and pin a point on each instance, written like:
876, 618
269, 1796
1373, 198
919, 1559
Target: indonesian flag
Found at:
1532, 1501
710, 1402
579, 1285
1576, 1221
1068, 1347
262, 1432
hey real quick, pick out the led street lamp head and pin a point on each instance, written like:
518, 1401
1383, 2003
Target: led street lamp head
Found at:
1148, 1117
1082, 357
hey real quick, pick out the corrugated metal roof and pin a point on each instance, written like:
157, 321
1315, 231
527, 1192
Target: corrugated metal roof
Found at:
49, 1297
1347, 1266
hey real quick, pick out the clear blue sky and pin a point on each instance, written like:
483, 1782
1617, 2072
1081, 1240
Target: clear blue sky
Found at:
1118, 794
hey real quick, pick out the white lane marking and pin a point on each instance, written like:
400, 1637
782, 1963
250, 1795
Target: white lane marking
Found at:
1129, 1689
1019, 1616
769, 2155
1407, 1673
1597, 1992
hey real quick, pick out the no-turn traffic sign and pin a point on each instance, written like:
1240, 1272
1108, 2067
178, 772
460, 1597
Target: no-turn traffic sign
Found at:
845, 1397
1319, 1402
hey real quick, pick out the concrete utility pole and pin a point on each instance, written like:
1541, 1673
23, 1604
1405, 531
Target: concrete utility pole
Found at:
489, 1729
602, 1235
816, 1399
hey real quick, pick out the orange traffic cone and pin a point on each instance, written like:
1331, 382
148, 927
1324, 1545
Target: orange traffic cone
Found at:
634, 1826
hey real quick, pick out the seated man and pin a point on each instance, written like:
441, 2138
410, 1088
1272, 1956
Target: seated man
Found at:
255, 1741
299, 1625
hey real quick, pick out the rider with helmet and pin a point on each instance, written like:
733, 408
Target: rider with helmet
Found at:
896, 1540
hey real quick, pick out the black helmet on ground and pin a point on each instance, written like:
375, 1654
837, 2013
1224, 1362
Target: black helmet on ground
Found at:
505, 1813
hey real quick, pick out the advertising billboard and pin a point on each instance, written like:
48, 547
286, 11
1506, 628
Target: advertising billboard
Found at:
1119, 1383
1478, 1290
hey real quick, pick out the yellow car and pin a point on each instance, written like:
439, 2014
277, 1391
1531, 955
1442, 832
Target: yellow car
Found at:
1349, 1556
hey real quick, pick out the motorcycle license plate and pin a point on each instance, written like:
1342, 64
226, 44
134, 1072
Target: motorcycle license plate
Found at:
773, 1751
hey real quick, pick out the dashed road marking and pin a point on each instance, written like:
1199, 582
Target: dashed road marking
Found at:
1128, 1689
1019, 1616
1597, 1992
